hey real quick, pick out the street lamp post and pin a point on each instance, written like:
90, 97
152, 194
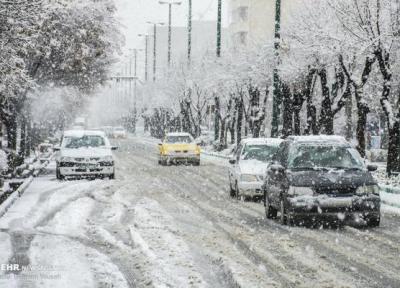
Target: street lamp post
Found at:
169, 3
189, 32
219, 28
155, 47
146, 63
276, 108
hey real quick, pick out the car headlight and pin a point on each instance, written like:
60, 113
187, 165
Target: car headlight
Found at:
198, 150
368, 189
300, 191
248, 178
67, 159
108, 158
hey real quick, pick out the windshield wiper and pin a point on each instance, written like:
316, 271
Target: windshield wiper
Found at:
346, 168
305, 168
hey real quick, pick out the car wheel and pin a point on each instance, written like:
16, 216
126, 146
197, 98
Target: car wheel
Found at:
197, 163
58, 174
373, 221
283, 217
237, 192
270, 212
112, 176
232, 191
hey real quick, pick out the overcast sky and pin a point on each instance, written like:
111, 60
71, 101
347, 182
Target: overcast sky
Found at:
133, 14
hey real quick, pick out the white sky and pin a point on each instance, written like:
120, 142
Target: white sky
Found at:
133, 14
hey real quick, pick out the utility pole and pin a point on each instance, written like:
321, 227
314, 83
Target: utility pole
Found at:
189, 33
146, 61
219, 28
155, 47
277, 96
170, 3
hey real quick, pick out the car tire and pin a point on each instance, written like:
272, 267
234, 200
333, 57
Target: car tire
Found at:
197, 163
232, 191
270, 212
237, 192
283, 216
373, 221
58, 174
112, 176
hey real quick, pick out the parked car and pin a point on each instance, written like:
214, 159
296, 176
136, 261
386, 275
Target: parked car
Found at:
248, 165
45, 151
177, 148
314, 177
119, 132
85, 154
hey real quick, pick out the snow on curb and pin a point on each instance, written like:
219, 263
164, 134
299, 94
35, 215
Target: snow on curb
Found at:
14, 196
389, 189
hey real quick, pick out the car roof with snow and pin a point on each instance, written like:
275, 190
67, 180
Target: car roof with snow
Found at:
320, 139
262, 141
178, 134
81, 133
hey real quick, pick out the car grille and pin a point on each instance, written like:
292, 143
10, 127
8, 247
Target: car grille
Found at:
336, 190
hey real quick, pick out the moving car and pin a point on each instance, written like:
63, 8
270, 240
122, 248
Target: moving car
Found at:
248, 165
119, 132
85, 154
315, 177
179, 147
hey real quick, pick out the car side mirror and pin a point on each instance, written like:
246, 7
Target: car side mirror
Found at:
56, 148
113, 148
277, 168
232, 161
159, 144
372, 168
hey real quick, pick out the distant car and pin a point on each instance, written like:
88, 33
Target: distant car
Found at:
119, 132
248, 165
177, 148
315, 177
45, 151
85, 154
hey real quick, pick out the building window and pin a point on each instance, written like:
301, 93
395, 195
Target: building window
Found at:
242, 38
243, 13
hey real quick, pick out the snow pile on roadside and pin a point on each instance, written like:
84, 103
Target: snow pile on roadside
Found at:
170, 261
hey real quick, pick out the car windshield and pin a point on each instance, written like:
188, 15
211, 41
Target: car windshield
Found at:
84, 141
178, 139
324, 156
263, 153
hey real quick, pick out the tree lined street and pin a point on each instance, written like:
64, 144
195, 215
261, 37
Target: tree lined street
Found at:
169, 226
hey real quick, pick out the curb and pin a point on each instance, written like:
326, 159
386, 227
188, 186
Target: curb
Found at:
14, 196
389, 189
215, 155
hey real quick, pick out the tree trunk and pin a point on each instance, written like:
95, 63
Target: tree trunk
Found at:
393, 161
287, 111
22, 146
222, 139
326, 118
11, 126
216, 118
311, 127
239, 124
362, 113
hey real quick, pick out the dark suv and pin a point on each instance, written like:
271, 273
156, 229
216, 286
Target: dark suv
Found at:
314, 177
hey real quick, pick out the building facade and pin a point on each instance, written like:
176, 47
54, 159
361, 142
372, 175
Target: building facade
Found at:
252, 22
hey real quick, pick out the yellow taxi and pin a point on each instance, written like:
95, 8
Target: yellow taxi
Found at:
179, 148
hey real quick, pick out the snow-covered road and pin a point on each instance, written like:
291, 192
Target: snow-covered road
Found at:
176, 226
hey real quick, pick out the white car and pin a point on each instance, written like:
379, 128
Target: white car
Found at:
248, 165
119, 132
85, 154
